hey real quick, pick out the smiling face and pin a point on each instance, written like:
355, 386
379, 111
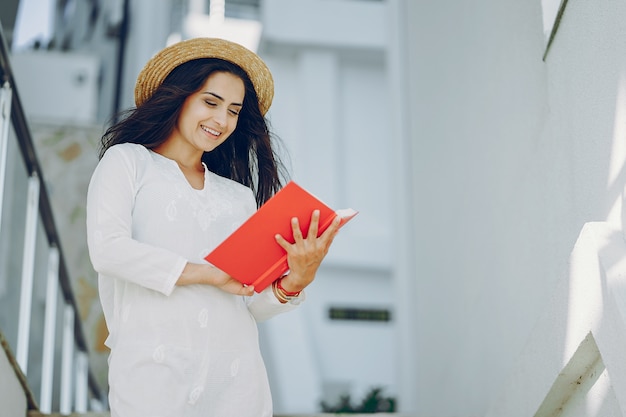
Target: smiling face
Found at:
209, 116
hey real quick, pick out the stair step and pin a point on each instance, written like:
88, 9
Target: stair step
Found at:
33, 413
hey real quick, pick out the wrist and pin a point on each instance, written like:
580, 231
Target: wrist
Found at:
283, 295
287, 287
190, 275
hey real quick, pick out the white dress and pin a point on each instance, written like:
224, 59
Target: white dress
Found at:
176, 351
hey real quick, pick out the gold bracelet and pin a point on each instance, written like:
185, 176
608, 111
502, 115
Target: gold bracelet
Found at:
284, 291
280, 295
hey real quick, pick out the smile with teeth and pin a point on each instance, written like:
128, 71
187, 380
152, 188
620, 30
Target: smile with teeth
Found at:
211, 131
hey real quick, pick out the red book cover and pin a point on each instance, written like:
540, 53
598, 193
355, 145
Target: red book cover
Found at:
251, 254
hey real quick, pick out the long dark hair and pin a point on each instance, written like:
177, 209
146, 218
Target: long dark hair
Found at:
248, 156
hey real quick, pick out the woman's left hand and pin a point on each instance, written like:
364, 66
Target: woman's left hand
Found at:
305, 255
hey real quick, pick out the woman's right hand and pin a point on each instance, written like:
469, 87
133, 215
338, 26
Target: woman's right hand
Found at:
210, 275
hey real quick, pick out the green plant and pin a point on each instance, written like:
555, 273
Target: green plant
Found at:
373, 402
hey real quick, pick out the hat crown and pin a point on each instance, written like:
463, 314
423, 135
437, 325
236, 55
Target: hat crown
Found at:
163, 62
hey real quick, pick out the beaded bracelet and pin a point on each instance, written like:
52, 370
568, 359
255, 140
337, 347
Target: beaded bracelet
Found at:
281, 294
287, 293
278, 294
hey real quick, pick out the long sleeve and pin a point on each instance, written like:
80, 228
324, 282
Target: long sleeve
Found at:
265, 305
113, 251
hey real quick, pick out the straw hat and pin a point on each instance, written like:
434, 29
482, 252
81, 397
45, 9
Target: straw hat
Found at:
161, 64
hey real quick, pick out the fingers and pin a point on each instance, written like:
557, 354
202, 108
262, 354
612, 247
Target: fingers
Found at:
295, 231
295, 228
282, 242
325, 238
238, 288
330, 233
314, 226
247, 290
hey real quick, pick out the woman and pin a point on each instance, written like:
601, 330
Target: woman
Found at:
177, 175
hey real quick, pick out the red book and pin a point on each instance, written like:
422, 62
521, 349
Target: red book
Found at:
251, 254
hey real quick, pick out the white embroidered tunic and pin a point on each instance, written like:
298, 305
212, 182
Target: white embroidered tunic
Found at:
178, 351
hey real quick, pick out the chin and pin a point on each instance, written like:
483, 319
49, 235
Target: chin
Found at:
212, 147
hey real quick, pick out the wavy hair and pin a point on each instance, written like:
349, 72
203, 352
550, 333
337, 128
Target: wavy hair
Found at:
248, 156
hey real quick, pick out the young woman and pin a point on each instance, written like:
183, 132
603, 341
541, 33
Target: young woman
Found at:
176, 176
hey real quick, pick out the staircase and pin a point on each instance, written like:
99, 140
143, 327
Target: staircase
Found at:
16, 398
44, 360
573, 363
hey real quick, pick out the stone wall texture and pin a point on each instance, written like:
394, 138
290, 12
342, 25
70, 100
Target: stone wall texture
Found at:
68, 156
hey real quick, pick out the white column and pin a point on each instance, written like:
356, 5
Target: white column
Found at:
404, 271
67, 361
81, 389
5, 122
47, 366
148, 31
321, 145
28, 267
295, 389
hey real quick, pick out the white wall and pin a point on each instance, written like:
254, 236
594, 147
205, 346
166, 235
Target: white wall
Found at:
573, 359
332, 111
70, 82
511, 156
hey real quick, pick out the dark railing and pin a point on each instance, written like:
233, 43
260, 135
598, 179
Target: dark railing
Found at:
27, 150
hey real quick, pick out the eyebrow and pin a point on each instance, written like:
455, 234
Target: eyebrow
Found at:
221, 98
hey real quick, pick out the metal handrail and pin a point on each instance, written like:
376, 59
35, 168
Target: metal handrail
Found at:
26, 144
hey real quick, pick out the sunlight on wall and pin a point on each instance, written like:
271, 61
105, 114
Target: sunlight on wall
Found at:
598, 395
585, 301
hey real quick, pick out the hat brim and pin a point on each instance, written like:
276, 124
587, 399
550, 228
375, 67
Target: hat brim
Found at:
162, 63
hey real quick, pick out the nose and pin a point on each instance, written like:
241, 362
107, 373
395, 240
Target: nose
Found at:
220, 116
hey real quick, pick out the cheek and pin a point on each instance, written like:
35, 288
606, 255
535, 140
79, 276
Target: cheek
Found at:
233, 125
